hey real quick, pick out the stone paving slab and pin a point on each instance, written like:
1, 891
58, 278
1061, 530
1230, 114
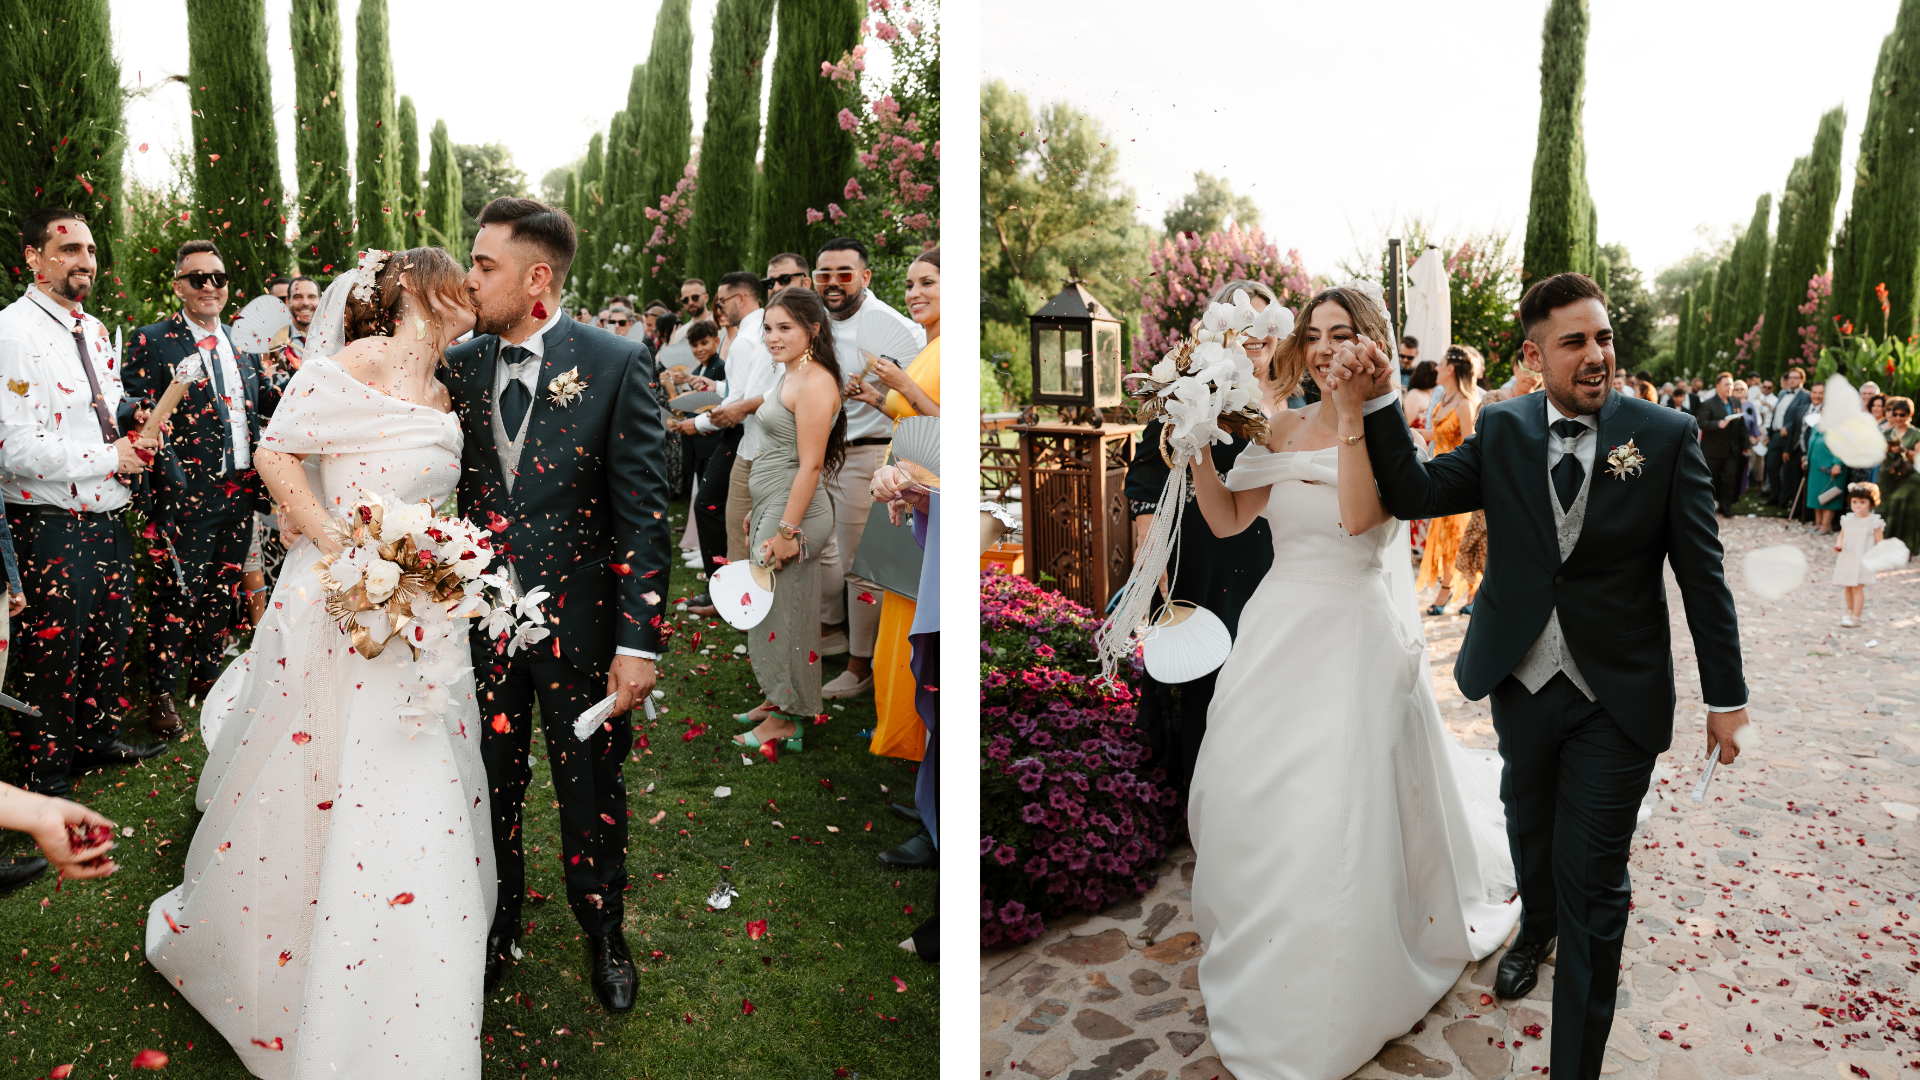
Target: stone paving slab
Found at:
1775, 930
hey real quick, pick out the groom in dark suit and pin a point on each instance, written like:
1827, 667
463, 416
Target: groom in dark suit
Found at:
1587, 492
563, 461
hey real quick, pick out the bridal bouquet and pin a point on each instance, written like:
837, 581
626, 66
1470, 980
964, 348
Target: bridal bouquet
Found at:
1204, 391
403, 572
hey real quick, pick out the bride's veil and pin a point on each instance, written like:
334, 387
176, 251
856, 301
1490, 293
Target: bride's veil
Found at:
329, 334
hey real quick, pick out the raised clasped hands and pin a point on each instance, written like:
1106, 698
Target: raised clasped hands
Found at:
1358, 372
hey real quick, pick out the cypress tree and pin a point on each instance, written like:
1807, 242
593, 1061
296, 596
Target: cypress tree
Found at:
665, 132
808, 157
376, 164
443, 224
1560, 213
1800, 245
66, 146
617, 192
1853, 279
1890, 237
1704, 328
412, 209
320, 138
573, 193
1750, 278
1683, 335
236, 160
718, 236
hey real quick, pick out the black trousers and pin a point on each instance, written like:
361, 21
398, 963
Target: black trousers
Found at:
1776, 449
70, 645
1571, 782
1727, 469
710, 501
587, 782
188, 627
1175, 720
1792, 473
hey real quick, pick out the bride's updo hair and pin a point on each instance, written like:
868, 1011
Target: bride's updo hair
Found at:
1290, 359
429, 270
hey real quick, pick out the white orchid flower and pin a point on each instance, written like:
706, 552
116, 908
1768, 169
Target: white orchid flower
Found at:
529, 605
1243, 312
1218, 317
1276, 321
525, 636
497, 621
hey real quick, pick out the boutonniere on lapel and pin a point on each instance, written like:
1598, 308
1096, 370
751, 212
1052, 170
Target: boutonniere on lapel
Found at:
1624, 461
566, 387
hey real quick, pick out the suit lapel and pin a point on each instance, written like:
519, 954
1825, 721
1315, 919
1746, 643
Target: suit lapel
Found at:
1603, 491
548, 420
475, 402
1533, 476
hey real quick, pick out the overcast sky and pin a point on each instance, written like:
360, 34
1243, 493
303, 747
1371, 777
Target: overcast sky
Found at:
541, 78
1341, 119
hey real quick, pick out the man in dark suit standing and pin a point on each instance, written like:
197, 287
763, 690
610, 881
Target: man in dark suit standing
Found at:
1723, 439
205, 489
564, 462
1787, 414
1588, 494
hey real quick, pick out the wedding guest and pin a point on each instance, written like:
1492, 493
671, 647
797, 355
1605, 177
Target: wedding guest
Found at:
708, 371
1901, 475
277, 287
1621, 382
1419, 397
723, 502
787, 270
912, 390
1453, 416
803, 437
647, 318
894, 487
1723, 438
693, 308
1409, 356
65, 470
664, 327
1789, 407
863, 325
1825, 472
1218, 573
1678, 398
600, 320
1860, 529
1753, 465
1868, 391
205, 488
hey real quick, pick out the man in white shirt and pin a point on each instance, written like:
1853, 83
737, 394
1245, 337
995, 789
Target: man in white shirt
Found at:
65, 471
205, 489
863, 326
693, 308
722, 503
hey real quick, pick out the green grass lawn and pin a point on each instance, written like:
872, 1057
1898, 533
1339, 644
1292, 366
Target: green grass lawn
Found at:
821, 981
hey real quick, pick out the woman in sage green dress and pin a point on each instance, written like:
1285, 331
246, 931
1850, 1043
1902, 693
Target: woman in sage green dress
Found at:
802, 441
1899, 478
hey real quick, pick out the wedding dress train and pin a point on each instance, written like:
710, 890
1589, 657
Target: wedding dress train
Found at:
1352, 855
337, 892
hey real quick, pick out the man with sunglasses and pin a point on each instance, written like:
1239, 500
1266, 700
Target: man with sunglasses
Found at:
865, 332
620, 319
693, 307
786, 270
205, 489
66, 467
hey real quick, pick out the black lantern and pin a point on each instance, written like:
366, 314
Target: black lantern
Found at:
1076, 352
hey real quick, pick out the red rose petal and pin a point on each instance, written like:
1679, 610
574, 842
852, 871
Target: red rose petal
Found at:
813, 657
174, 926
150, 1059
328, 805
501, 724
61, 1072
402, 898
746, 1007
623, 569
746, 599
276, 1044
899, 984
301, 738
284, 957
756, 929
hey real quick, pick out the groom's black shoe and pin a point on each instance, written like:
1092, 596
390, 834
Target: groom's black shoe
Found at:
613, 978
499, 952
1520, 969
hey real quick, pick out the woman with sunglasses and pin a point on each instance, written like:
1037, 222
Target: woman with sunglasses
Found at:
1900, 474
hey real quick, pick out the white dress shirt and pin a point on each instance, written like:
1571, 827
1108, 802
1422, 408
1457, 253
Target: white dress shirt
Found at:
873, 328
536, 346
1583, 448
236, 389
51, 449
751, 372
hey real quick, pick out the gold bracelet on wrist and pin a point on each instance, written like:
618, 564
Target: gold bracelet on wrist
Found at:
1351, 440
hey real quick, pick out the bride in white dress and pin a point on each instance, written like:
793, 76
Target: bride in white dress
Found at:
337, 893
1352, 856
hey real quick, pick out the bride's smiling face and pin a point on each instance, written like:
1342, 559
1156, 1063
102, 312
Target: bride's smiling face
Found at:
1327, 329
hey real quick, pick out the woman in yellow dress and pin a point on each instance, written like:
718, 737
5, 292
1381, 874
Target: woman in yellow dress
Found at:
913, 390
1453, 415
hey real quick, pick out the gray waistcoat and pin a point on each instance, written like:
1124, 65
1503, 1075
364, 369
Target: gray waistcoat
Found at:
1549, 652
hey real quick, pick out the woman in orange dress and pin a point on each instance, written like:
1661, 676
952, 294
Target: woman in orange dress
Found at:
1452, 425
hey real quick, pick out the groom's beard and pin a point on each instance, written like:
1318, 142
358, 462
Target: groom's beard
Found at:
488, 321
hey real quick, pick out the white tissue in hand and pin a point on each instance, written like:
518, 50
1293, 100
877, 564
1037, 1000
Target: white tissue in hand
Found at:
1775, 571
1851, 434
1888, 554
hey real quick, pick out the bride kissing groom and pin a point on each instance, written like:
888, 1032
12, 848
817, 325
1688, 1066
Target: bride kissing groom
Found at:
347, 902
1393, 872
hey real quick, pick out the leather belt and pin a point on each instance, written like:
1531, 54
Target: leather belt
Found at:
61, 511
877, 440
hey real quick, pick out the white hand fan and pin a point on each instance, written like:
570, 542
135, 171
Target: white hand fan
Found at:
259, 321
1773, 572
1185, 642
743, 593
694, 401
1888, 554
917, 439
1851, 434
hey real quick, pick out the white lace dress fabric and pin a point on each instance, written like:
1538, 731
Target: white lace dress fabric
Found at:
1352, 855
337, 892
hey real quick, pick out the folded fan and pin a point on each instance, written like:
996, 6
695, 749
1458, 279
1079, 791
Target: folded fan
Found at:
259, 323
694, 401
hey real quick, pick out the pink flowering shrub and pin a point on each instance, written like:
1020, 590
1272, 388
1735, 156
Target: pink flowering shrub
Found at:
669, 221
1184, 271
892, 201
1819, 291
1071, 816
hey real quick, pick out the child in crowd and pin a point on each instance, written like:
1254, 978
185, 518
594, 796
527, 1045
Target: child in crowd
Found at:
1859, 531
